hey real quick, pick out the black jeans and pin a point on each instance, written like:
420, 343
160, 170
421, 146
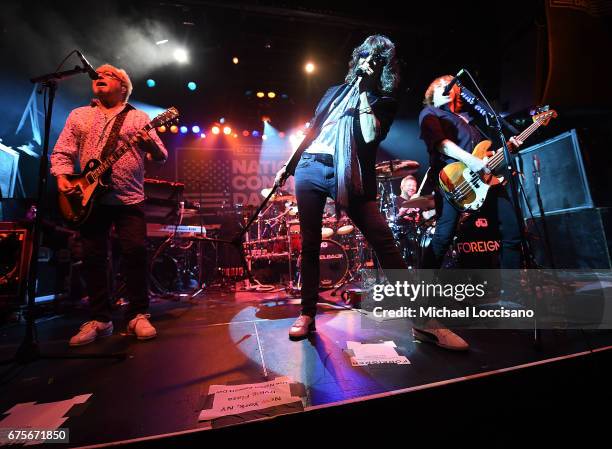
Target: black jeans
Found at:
130, 227
314, 182
503, 217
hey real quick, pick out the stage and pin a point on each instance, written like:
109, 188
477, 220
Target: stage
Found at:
241, 338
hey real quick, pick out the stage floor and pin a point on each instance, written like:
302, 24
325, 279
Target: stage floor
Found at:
226, 338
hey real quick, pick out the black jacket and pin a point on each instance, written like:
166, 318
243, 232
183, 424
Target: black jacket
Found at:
384, 107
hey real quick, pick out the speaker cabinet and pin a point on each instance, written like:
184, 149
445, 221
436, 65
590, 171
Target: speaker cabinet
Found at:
578, 239
15, 251
564, 185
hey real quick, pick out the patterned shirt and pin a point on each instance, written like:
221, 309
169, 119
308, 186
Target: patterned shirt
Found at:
83, 138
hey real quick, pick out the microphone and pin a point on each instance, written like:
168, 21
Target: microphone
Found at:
536, 168
450, 85
377, 59
87, 66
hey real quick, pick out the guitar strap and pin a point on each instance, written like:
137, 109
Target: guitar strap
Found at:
113, 137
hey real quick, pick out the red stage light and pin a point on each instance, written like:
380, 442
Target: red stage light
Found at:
215, 130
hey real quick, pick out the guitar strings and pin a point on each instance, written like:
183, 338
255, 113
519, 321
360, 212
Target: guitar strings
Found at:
463, 188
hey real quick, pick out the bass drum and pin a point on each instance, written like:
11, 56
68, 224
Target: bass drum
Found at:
424, 236
164, 274
174, 267
333, 264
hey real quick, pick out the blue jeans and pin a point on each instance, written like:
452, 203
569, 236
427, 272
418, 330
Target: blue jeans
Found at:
314, 181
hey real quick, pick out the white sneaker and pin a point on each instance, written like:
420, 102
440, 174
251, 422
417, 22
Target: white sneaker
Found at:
91, 330
302, 327
141, 327
445, 338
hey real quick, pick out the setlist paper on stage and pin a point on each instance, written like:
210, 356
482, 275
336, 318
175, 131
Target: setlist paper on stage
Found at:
375, 353
237, 399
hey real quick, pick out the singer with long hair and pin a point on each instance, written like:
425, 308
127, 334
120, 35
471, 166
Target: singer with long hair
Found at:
338, 161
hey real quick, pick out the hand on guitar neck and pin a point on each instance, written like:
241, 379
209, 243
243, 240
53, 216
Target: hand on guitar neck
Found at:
281, 176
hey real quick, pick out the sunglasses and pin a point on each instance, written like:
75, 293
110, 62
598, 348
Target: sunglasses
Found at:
376, 58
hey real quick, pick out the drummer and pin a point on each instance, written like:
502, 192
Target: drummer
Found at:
408, 191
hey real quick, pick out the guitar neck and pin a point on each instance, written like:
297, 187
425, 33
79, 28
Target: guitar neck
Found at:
498, 158
115, 155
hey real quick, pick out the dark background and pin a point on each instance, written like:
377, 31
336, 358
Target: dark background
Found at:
522, 53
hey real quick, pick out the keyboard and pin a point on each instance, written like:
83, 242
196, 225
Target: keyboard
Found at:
183, 231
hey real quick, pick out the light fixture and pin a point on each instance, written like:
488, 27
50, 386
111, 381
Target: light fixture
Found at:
181, 56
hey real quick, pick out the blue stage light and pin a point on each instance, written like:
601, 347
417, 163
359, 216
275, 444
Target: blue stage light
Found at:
184, 129
150, 83
191, 85
195, 129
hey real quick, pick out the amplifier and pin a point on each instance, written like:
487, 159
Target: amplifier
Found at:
15, 252
564, 186
578, 239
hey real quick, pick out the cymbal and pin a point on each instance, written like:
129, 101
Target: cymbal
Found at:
283, 198
396, 169
424, 202
276, 197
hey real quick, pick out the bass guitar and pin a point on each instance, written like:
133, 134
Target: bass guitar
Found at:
467, 190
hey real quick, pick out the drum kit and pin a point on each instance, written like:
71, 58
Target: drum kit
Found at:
411, 221
272, 245
275, 237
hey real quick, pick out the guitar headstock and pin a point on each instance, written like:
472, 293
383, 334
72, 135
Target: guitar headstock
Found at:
170, 115
543, 115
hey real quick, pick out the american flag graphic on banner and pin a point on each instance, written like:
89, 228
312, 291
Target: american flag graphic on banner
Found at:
225, 178
206, 175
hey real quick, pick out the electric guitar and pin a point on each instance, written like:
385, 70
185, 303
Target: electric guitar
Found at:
467, 190
75, 208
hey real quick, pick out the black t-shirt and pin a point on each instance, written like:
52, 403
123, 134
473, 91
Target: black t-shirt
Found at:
438, 124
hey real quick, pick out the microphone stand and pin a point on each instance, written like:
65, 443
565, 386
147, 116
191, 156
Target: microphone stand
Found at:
29, 350
512, 181
536, 178
236, 242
